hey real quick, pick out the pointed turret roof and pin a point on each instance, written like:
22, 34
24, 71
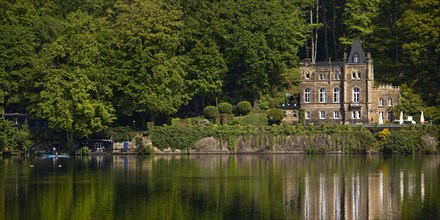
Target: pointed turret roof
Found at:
357, 53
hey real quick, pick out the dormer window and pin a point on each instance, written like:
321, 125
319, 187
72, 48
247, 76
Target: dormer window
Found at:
356, 58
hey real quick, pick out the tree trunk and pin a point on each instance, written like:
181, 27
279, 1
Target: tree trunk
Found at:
203, 103
153, 117
255, 100
314, 31
335, 47
324, 13
196, 104
143, 122
312, 38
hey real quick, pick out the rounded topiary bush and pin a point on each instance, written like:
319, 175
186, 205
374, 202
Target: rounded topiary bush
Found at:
243, 108
275, 116
225, 108
211, 112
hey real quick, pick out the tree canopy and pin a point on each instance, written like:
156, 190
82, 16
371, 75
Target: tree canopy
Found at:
86, 65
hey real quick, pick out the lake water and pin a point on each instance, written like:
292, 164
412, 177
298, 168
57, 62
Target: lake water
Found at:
294, 186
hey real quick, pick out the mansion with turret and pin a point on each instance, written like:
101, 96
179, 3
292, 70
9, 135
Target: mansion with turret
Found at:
344, 92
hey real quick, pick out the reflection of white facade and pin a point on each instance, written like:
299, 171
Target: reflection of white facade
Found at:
354, 196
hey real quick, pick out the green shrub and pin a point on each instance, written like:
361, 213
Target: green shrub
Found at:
186, 121
396, 144
121, 133
251, 119
211, 112
243, 108
225, 108
302, 116
14, 138
146, 149
275, 116
150, 125
85, 150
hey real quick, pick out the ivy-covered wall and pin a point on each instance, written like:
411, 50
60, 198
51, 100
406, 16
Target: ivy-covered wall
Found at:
288, 138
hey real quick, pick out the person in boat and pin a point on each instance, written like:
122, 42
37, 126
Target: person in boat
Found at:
54, 151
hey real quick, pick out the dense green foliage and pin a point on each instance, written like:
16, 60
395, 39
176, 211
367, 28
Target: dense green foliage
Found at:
211, 112
275, 116
88, 65
412, 140
251, 119
120, 133
12, 138
243, 108
225, 108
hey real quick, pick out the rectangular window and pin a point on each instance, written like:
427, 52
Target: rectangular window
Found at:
322, 95
307, 115
353, 115
336, 114
336, 93
358, 114
322, 115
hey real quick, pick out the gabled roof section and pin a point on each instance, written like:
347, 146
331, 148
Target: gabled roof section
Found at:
356, 54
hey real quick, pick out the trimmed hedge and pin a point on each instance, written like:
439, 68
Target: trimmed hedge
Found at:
243, 108
225, 108
275, 116
211, 112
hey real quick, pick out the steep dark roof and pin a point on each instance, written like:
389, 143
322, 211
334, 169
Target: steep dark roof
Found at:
356, 51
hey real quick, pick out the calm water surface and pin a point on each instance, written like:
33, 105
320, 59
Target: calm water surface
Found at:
221, 187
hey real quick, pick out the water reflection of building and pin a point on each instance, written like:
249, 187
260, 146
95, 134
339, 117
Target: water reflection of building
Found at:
357, 196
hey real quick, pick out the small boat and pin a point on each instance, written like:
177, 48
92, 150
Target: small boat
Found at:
54, 156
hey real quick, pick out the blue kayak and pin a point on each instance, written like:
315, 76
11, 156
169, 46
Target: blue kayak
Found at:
55, 156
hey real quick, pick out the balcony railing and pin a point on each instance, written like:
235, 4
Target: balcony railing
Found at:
355, 105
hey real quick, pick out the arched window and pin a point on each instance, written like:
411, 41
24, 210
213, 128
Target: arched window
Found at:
353, 75
308, 75
307, 95
390, 101
322, 95
356, 58
381, 102
359, 75
336, 95
356, 95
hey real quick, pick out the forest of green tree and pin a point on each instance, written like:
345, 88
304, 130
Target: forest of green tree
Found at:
87, 64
